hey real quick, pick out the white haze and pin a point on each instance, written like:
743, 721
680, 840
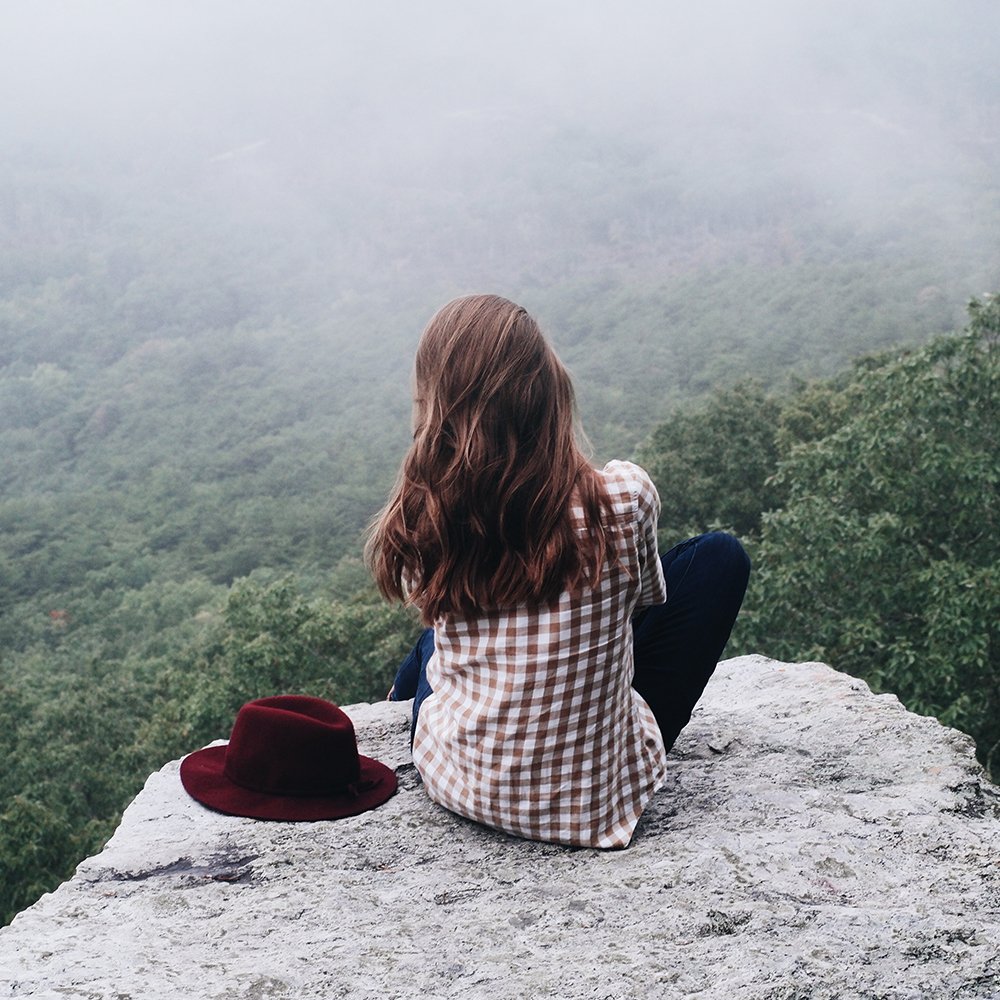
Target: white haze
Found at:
212, 77
457, 134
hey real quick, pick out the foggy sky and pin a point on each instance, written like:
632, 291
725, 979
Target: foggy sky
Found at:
229, 74
302, 113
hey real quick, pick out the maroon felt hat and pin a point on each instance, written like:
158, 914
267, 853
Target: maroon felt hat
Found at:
290, 757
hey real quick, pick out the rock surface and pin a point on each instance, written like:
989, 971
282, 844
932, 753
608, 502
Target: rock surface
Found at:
814, 841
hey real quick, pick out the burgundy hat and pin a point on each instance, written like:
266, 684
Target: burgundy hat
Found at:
290, 757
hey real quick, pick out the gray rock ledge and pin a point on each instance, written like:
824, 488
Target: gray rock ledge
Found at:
814, 841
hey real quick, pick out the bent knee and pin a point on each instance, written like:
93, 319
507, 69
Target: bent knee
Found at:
729, 552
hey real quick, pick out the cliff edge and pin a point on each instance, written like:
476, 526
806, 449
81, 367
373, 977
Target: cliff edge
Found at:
814, 841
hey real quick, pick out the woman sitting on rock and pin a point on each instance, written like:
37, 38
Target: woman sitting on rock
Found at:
544, 699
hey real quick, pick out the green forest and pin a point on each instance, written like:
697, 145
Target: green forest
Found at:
772, 292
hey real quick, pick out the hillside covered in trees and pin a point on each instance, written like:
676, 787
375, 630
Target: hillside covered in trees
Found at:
217, 260
868, 502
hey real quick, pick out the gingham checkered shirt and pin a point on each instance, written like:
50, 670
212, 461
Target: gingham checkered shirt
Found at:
533, 726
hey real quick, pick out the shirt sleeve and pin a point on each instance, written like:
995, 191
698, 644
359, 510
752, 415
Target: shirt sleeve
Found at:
652, 586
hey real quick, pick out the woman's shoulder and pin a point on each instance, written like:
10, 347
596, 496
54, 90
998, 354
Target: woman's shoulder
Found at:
628, 479
620, 468
629, 475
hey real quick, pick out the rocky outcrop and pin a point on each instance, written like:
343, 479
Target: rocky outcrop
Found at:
814, 841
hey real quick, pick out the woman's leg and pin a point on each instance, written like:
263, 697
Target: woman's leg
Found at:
678, 644
411, 678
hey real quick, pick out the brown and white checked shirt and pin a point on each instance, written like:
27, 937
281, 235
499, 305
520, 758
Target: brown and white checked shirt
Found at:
533, 726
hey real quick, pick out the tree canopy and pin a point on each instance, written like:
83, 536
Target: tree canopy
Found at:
870, 507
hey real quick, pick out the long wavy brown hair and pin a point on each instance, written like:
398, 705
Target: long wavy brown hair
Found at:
481, 514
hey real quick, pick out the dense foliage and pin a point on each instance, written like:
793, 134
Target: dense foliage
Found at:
871, 509
884, 557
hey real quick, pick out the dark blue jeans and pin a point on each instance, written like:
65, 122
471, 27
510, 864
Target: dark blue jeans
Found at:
676, 645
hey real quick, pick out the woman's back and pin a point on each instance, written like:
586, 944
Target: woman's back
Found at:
533, 726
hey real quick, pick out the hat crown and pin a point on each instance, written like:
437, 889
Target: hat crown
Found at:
293, 745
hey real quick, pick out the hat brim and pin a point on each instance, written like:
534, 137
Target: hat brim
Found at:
204, 779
